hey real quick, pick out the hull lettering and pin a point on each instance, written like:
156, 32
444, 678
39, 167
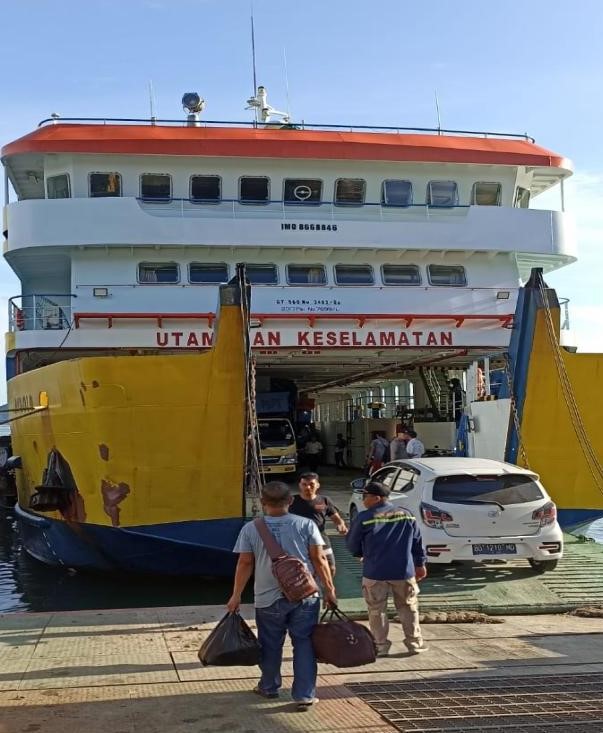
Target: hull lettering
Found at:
358, 338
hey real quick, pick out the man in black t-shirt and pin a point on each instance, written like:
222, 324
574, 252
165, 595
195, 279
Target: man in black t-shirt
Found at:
317, 508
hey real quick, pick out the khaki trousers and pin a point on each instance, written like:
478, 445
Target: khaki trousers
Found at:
405, 594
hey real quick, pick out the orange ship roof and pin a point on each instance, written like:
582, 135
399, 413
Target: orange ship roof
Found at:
282, 143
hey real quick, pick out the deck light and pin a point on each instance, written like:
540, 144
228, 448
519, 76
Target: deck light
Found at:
192, 102
100, 292
503, 295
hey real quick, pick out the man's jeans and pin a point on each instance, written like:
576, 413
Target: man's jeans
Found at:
273, 623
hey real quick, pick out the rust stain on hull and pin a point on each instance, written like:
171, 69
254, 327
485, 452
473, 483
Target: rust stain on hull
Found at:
76, 510
103, 451
113, 494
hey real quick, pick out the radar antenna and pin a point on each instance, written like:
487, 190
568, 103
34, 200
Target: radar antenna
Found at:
255, 81
259, 103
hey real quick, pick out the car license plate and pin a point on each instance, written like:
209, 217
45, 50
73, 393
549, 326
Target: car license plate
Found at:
500, 549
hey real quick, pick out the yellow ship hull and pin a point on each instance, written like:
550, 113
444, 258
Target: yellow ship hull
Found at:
155, 446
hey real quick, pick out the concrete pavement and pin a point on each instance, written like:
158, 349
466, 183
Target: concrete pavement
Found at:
129, 671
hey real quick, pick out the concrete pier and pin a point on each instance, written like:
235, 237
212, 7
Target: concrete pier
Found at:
136, 671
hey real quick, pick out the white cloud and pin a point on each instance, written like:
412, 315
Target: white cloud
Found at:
585, 325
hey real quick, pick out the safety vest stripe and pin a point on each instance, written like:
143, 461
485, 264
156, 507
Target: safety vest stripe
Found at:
384, 520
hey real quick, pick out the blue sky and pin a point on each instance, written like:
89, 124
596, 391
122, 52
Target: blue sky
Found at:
535, 67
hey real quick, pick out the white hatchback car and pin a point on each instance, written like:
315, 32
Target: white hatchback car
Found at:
473, 509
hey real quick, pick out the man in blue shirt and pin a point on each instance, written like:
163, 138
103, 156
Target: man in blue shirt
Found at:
389, 542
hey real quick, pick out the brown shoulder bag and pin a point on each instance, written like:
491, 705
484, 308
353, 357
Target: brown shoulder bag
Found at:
293, 577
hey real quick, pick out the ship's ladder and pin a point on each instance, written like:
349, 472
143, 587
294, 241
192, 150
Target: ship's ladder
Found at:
435, 382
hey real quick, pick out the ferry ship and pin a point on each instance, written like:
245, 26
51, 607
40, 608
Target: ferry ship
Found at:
385, 266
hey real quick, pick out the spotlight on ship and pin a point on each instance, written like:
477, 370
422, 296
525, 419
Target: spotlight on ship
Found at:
194, 105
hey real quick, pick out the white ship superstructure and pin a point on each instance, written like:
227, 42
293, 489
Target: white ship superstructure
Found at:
364, 247
387, 268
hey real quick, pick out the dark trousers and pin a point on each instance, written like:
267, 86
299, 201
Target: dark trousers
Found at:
313, 460
339, 462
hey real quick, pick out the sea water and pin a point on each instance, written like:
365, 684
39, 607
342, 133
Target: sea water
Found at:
29, 585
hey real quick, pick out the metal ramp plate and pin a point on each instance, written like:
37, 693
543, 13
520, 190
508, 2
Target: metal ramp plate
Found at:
534, 704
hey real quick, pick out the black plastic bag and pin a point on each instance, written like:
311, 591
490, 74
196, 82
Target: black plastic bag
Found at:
231, 644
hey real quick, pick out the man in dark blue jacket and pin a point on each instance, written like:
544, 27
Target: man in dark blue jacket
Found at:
389, 542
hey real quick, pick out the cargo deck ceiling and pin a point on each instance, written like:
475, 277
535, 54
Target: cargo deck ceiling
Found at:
329, 369
314, 370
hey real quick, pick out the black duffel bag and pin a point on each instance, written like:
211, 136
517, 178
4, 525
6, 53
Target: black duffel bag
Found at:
339, 641
231, 644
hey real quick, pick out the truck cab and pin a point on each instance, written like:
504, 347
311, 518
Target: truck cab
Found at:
278, 447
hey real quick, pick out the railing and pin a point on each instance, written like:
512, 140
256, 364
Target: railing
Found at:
183, 122
565, 319
40, 312
259, 319
47, 311
322, 211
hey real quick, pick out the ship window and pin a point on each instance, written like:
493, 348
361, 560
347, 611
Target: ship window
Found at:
446, 275
105, 184
262, 274
158, 272
350, 191
57, 187
205, 189
522, 198
155, 187
254, 190
396, 193
442, 194
302, 191
208, 273
401, 275
486, 194
354, 275
306, 275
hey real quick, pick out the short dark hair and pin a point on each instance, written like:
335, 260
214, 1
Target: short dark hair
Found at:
412, 433
309, 476
276, 493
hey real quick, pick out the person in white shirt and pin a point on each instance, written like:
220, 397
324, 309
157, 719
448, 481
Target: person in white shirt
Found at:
414, 447
313, 450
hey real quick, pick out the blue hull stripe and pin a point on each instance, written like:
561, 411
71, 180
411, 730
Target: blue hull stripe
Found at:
200, 547
571, 519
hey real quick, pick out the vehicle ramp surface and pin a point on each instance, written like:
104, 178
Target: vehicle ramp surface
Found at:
492, 588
